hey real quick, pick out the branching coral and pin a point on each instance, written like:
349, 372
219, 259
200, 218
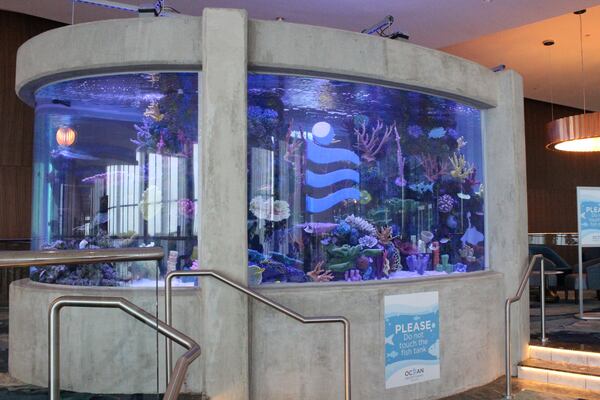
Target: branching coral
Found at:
361, 224
292, 145
461, 168
434, 169
384, 235
371, 144
400, 181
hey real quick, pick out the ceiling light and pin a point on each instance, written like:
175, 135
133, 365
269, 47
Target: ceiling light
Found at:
577, 133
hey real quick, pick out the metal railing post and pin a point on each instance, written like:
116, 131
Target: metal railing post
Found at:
173, 388
507, 321
507, 351
264, 300
543, 300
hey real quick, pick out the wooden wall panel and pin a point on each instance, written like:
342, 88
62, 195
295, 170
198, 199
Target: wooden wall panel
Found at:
16, 128
552, 176
16, 143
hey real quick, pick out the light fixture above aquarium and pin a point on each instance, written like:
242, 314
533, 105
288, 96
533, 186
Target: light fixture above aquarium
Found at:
357, 182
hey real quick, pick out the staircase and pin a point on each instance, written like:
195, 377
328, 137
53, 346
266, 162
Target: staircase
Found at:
571, 368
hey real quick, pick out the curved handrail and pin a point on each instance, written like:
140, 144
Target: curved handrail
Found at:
174, 386
525, 278
40, 258
290, 313
509, 301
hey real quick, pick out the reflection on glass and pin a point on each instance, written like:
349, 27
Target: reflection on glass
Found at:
114, 167
359, 182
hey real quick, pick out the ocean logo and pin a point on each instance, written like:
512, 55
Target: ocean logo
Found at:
319, 152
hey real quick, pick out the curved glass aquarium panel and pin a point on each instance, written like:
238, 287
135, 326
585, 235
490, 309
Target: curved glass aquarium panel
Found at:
114, 161
357, 182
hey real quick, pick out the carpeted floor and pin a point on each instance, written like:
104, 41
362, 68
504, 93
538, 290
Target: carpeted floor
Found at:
561, 324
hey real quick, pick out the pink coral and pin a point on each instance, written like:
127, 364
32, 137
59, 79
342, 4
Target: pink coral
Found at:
371, 144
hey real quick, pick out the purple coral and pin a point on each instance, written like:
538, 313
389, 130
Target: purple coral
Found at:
445, 203
186, 207
368, 241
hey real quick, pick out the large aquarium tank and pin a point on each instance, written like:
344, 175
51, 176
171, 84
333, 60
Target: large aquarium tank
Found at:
114, 166
359, 182
346, 181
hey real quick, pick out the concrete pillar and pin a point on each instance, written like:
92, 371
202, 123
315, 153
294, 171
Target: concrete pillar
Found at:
222, 201
506, 198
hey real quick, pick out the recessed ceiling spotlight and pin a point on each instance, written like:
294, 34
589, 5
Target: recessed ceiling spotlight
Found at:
279, 19
548, 42
487, 1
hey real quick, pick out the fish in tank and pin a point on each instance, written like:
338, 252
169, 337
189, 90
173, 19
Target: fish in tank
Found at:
114, 162
346, 181
357, 182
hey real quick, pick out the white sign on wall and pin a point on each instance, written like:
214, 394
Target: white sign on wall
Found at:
412, 338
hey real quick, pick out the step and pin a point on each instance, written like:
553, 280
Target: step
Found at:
561, 367
561, 355
561, 373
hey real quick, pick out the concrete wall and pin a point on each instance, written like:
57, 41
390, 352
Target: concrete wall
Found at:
132, 44
287, 360
102, 351
222, 201
310, 50
506, 198
291, 360
105, 351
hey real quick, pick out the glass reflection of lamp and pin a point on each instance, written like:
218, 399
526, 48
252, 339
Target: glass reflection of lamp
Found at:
577, 133
65, 136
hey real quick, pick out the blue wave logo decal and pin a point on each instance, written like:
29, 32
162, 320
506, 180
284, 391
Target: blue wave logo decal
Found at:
324, 155
318, 152
314, 205
324, 180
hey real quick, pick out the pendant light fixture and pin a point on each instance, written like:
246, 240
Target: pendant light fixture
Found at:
577, 133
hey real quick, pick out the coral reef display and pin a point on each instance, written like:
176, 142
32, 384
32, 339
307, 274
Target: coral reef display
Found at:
127, 181
354, 182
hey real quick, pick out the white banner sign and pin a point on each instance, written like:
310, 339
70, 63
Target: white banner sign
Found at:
588, 212
412, 338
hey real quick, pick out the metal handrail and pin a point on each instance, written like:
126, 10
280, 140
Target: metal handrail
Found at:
290, 313
41, 258
514, 299
24, 259
174, 386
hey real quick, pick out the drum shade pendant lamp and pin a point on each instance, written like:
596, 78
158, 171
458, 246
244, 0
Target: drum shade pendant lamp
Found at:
577, 133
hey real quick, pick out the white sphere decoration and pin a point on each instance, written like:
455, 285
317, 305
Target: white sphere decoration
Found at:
322, 132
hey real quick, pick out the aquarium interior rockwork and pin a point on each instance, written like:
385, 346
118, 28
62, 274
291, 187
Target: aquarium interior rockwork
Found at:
357, 182
114, 166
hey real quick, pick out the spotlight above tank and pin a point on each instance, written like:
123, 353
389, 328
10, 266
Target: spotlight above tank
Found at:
381, 27
157, 9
